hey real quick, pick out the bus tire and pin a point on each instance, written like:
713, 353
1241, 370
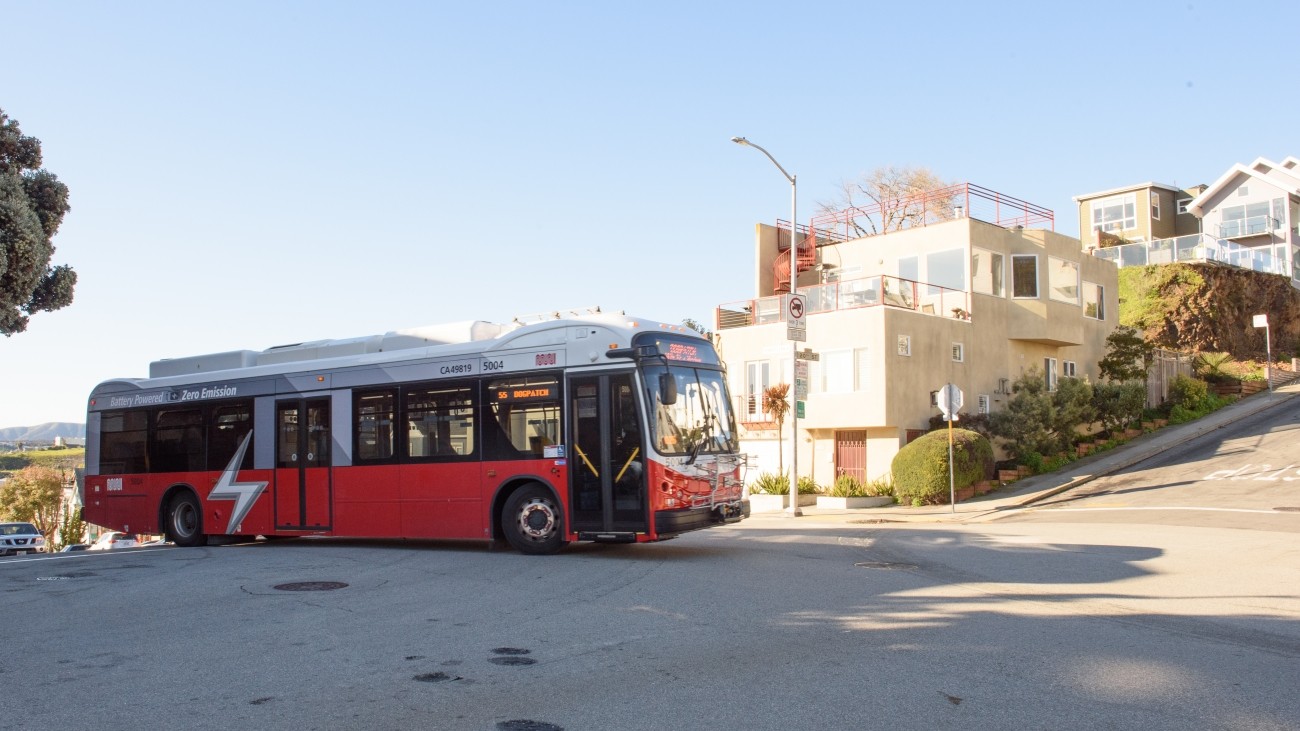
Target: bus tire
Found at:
185, 521
533, 521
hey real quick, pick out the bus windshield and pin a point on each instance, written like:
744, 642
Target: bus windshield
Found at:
699, 421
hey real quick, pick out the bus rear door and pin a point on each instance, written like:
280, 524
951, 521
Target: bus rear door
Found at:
607, 477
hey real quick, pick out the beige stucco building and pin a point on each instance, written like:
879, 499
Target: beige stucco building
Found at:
894, 317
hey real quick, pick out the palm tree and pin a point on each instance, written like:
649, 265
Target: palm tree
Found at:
774, 403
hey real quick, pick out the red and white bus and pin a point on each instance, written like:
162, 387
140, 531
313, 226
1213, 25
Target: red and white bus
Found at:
600, 427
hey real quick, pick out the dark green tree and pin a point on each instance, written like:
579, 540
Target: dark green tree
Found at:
1128, 356
32, 205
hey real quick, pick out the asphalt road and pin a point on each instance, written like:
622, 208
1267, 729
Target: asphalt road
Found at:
774, 624
1144, 600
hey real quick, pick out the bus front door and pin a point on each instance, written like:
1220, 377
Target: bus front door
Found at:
607, 477
302, 464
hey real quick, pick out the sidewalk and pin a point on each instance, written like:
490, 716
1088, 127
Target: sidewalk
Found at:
1032, 489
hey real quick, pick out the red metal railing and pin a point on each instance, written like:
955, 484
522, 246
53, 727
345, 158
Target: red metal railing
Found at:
964, 200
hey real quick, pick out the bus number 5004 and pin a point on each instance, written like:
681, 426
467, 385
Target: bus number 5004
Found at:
494, 365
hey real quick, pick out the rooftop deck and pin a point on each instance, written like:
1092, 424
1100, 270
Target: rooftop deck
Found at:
849, 294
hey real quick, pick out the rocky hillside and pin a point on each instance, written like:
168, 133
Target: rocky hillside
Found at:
1210, 308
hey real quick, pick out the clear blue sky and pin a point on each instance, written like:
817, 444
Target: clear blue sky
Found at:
247, 174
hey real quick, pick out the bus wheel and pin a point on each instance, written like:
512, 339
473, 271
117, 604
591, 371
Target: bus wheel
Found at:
185, 521
532, 521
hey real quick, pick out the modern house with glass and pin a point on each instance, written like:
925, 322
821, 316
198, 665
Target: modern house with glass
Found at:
962, 285
1247, 218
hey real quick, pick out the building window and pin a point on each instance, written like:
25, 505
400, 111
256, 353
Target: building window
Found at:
1117, 213
1094, 301
756, 382
946, 270
1049, 373
1024, 275
1155, 206
986, 272
958, 353
1063, 280
1245, 220
904, 344
863, 369
909, 267
837, 371
1068, 369
984, 402
1182, 205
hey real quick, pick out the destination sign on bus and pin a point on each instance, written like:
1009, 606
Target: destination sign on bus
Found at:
686, 351
526, 393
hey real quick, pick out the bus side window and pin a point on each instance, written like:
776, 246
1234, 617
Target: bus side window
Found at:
124, 442
228, 424
440, 422
522, 417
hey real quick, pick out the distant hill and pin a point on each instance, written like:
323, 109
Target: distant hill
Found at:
43, 432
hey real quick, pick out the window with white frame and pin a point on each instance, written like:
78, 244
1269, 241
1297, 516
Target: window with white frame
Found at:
904, 344
863, 362
1068, 369
1094, 301
1024, 275
1182, 204
984, 403
958, 353
1049, 373
1117, 213
986, 271
837, 371
756, 382
1155, 206
1063, 280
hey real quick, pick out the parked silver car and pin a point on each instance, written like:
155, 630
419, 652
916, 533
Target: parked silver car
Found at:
113, 540
17, 539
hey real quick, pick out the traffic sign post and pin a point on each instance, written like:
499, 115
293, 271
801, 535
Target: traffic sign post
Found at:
1262, 321
796, 320
950, 400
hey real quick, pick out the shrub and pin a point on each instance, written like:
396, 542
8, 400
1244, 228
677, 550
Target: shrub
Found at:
882, 486
807, 486
769, 484
920, 469
1190, 393
1038, 420
1118, 404
848, 486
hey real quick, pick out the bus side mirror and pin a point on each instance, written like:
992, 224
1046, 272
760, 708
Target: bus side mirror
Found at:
667, 389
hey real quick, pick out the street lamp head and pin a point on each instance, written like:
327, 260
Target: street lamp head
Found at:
740, 140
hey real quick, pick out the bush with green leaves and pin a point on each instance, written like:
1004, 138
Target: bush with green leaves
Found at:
1190, 393
920, 469
1128, 356
882, 486
1042, 421
769, 484
808, 486
848, 486
1119, 404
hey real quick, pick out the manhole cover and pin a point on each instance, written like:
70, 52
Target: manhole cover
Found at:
523, 725
887, 565
512, 660
434, 677
311, 586
1288, 509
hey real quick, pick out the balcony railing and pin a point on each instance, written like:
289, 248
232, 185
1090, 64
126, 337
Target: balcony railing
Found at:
849, 294
1241, 228
1196, 248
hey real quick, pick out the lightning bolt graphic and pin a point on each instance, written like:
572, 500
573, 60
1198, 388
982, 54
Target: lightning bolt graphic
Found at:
243, 493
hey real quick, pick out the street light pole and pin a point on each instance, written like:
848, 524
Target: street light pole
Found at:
794, 344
